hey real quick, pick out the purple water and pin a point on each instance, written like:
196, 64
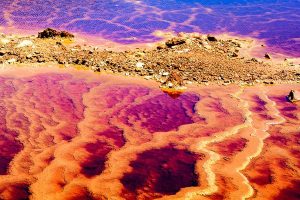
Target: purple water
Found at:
130, 21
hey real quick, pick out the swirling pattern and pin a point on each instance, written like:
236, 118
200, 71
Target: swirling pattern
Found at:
131, 21
66, 134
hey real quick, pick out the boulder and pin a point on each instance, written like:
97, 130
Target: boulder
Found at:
293, 96
51, 33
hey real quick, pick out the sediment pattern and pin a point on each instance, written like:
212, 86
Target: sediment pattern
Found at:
78, 135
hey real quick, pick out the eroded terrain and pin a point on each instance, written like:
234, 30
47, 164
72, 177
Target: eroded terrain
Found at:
80, 135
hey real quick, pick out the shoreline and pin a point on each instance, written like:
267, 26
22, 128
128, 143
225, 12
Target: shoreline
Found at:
175, 62
255, 47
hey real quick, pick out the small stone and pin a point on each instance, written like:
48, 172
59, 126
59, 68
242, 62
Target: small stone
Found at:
165, 74
2, 53
170, 84
268, 82
206, 45
188, 41
41, 59
11, 61
139, 66
212, 38
160, 46
96, 68
267, 56
140, 54
151, 71
25, 43
254, 60
233, 54
183, 51
147, 77
287, 60
188, 82
4, 41
175, 41
293, 96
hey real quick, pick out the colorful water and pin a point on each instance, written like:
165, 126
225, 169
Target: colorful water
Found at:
131, 21
67, 134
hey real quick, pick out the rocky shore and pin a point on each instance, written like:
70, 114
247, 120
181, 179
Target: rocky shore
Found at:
184, 59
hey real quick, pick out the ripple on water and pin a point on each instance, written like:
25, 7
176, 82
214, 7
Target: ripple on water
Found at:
74, 134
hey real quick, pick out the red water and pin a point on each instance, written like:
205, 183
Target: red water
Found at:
69, 134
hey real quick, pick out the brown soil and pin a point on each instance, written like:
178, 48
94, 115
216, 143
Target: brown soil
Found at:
181, 60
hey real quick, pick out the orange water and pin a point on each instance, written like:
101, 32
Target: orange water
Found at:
69, 134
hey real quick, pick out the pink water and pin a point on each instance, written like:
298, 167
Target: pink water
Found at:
68, 134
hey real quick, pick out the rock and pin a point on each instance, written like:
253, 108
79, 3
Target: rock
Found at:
25, 43
183, 51
170, 85
165, 74
4, 41
150, 71
233, 54
160, 46
254, 60
147, 77
48, 33
175, 41
268, 82
288, 60
59, 43
51, 33
267, 56
175, 79
139, 54
11, 61
66, 34
189, 41
41, 59
206, 46
2, 53
212, 38
96, 68
61, 60
293, 96
139, 66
